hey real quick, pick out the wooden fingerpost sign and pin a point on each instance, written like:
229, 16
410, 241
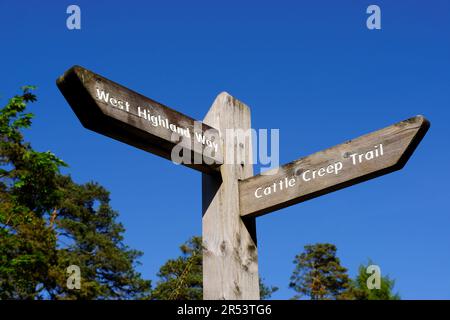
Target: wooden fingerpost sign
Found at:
232, 196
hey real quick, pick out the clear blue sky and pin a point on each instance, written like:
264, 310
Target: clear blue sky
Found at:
310, 68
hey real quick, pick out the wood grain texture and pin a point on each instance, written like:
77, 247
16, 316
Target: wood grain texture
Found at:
230, 266
398, 142
80, 87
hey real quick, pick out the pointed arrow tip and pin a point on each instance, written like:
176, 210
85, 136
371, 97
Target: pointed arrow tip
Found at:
75, 69
423, 124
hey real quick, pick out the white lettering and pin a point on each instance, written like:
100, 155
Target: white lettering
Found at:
142, 113
337, 167
309, 175
367, 156
102, 95
280, 185
291, 182
304, 176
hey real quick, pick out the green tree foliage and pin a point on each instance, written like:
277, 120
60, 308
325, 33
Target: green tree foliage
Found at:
48, 222
182, 278
318, 273
265, 291
360, 291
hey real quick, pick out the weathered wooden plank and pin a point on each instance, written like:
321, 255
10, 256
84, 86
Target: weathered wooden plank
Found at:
354, 161
230, 266
122, 114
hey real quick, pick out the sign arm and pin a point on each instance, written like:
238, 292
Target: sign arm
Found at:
113, 110
358, 160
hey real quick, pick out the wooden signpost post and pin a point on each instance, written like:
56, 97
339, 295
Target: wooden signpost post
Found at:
232, 196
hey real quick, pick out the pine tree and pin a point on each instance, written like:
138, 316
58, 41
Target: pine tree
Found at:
182, 278
318, 273
48, 222
359, 289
